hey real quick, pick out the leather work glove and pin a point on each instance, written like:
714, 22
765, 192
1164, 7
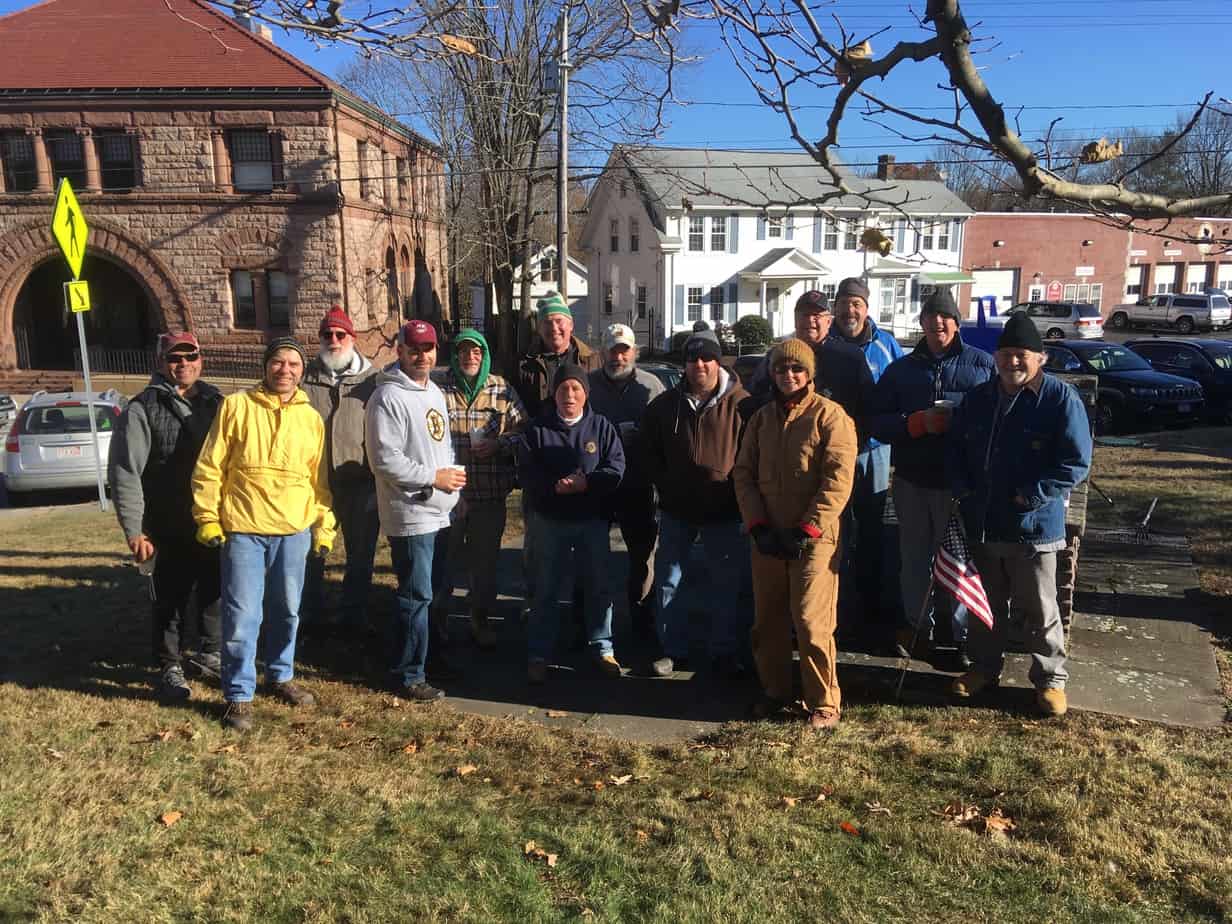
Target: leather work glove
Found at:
211, 535
766, 541
793, 541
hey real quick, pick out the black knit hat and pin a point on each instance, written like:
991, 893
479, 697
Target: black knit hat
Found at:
573, 371
283, 343
852, 286
1020, 333
703, 344
941, 302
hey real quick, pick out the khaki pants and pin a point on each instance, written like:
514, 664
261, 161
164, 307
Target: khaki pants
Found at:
801, 594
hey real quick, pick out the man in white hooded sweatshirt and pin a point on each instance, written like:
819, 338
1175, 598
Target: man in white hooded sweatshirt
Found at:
417, 485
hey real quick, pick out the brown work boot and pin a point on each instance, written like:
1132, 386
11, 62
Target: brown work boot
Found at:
1052, 701
823, 719
292, 694
608, 665
972, 683
237, 717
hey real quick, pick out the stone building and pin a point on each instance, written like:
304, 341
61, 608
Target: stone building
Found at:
230, 189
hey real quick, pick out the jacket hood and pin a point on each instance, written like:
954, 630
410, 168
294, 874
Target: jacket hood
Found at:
393, 375
470, 387
162, 383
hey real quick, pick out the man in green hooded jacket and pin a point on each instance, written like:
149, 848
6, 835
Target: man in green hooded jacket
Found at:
484, 414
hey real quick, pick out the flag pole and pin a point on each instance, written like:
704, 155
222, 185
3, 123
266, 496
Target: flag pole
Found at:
932, 582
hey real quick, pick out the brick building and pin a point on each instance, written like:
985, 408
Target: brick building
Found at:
1022, 256
230, 189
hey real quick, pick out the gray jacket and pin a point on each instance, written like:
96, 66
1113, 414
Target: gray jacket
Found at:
341, 401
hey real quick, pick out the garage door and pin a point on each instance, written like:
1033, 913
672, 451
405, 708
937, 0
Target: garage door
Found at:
1000, 283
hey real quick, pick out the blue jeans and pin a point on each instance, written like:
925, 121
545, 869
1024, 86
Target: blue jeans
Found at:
552, 555
262, 581
726, 565
412, 559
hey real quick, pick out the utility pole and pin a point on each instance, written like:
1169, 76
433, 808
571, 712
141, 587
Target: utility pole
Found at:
562, 159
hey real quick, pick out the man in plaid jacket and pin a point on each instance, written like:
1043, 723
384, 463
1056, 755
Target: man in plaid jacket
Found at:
484, 413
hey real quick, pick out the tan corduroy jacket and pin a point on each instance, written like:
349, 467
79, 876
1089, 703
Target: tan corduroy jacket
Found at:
796, 466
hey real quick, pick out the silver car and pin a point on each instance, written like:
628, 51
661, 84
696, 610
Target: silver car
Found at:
49, 445
1064, 320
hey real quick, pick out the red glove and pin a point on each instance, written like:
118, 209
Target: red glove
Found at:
917, 424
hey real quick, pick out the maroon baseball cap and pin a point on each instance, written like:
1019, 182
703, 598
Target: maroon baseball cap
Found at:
417, 333
174, 340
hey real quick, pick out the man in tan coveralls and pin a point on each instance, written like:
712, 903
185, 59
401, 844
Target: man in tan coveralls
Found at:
793, 477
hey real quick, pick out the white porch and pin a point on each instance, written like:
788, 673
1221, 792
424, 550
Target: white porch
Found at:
779, 277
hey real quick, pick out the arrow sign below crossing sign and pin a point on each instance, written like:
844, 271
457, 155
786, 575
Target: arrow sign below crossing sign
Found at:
69, 227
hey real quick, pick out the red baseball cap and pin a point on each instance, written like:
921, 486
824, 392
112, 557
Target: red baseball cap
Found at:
174, 339
417, 333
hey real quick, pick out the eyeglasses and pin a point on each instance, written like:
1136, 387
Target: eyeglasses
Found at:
334, 335
174, 359
784, 368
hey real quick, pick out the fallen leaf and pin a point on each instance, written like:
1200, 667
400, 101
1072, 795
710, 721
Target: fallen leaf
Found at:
577, 781
164, 735
486, 779
557, 714
225, 749
876, 808
597, 785
997, 825
551, 858
532, 851
528, 848
410, 747
621, 780
188, 732
254, 851
465, 770
54, 754
789, 801
170, 818
346, 723
642, 836
849, 828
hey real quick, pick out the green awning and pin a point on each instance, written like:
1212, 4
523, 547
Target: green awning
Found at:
946, 279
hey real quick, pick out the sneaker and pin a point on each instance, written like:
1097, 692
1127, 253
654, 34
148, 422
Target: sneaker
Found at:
292, 694
663, 667
237, 717
972, 683
823, 719
608, 665
537, 671
422, 692
172, 687
206, 664
770, 708
1052, 701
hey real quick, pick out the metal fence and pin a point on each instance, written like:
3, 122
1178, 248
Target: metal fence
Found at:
220, 362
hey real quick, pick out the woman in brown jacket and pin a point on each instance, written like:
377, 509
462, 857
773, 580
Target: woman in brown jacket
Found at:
793, 477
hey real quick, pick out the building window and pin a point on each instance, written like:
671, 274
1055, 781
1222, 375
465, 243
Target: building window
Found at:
613, 232
1195, 287
851, 238
774, 226
716, 303
361, 156
718, 233
1035, 294
279, 290
926, 237
117, 161
608, 304
943, 236
20, 173
694, 304
1133, 281
1071, 292
67, 157
830, 237
900, 235
252, 161
1097, 293
830, 290
404, 186
697, 233
547, 269
243, 301
635, 235
641, 303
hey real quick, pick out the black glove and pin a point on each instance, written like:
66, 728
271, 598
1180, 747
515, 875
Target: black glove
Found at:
767, 541
793, 541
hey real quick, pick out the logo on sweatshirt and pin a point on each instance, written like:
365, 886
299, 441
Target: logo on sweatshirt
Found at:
436, 424
591, 446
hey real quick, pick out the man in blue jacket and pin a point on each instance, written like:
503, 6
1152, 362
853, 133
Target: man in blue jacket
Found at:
911, 411
868, 565
1018, 446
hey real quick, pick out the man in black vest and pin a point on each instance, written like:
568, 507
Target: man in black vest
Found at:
153, 452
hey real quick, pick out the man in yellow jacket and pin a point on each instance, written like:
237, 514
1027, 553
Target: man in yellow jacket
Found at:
261, 493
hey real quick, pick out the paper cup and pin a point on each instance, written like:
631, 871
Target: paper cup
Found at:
944, 403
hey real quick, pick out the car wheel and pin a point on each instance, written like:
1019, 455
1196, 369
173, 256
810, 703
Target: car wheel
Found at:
1106, 417
1119, 321
1055, 334
1184, 325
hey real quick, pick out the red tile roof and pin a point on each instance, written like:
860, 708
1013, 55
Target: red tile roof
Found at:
140, 44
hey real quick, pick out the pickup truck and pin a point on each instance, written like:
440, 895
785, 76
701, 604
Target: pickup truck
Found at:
1182, 313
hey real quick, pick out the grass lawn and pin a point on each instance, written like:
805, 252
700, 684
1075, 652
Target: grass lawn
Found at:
363, 809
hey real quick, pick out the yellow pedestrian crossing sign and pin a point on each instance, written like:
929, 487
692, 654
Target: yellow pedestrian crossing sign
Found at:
77, 295
69, 227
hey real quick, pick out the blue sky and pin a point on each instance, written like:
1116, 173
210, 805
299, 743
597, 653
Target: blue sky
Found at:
1110, 63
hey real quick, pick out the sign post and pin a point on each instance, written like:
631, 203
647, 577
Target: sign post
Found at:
69, 228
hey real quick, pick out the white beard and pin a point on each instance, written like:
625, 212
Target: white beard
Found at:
337, 362
618, 374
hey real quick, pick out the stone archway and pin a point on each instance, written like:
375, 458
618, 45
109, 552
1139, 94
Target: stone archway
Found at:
26, 248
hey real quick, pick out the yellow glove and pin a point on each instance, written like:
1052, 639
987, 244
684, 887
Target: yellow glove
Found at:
321, 547
211, 534
323, 534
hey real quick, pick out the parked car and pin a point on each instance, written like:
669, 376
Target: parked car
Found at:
49, 445
1062, 320
669, 375
746, 366
8, 411
1207, 362
1182, 313
1130, 392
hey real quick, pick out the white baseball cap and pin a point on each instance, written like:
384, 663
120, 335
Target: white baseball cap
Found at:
619, 335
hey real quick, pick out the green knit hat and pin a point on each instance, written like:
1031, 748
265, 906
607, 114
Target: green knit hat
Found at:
552, 303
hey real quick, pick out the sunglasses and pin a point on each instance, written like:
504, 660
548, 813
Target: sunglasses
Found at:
700, 358
784, 368
334, 335
174, 359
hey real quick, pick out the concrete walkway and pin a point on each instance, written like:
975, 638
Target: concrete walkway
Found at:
1138, 648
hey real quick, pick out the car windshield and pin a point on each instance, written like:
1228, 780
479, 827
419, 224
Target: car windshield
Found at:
1087, 311
1112, 359
54, 419
1220, 354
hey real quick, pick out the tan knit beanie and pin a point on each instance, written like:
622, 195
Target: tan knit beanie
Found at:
794, 351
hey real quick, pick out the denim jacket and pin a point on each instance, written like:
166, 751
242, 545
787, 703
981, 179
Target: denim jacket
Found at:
1038, 451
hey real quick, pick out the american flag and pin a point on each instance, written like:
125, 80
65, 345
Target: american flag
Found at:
954, 569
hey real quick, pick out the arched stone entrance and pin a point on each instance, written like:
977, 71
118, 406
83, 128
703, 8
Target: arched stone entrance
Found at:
134, 295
